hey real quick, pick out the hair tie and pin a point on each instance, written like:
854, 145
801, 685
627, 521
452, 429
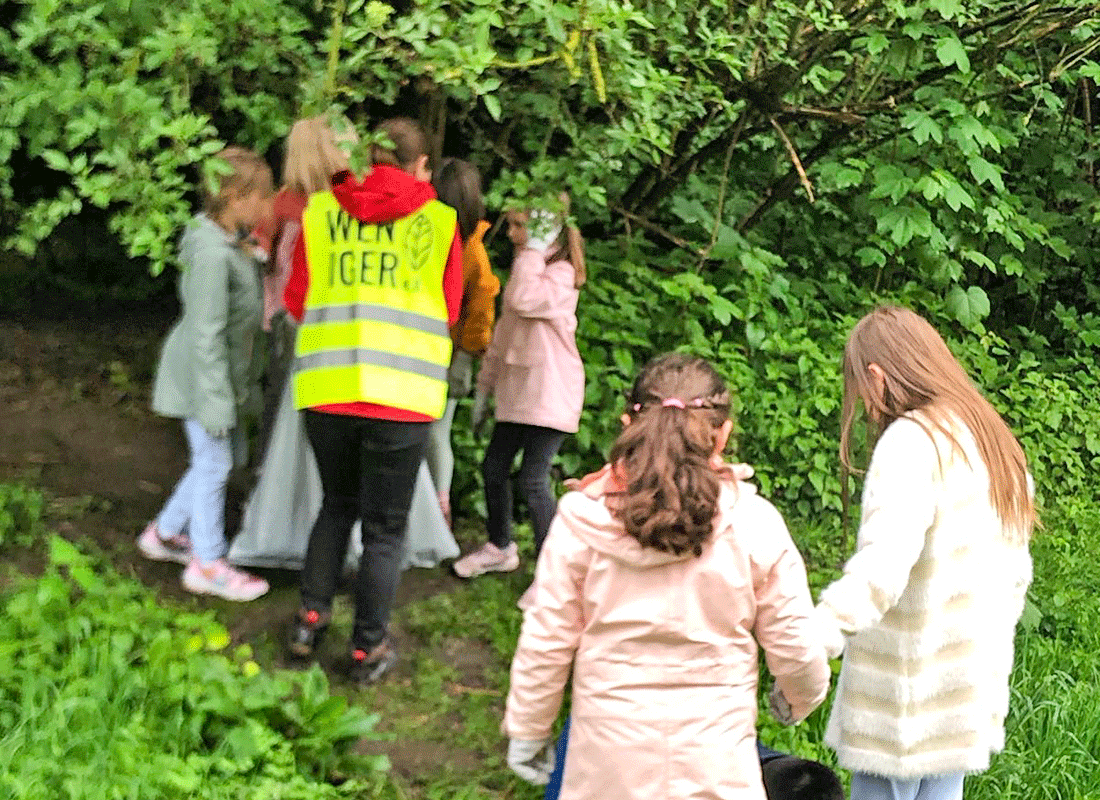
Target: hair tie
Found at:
672, 402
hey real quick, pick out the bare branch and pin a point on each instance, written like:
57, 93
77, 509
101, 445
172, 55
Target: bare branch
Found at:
657, 229
841, 115
794, 157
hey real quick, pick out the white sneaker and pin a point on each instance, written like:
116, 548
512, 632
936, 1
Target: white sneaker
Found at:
152, 546
222, 580
487, 558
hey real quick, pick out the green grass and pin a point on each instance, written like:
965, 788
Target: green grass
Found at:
73, 722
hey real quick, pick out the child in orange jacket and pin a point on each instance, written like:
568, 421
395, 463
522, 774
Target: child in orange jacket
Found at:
458, 184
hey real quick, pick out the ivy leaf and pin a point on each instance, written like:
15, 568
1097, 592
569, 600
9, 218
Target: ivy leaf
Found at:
949, 50
969, 306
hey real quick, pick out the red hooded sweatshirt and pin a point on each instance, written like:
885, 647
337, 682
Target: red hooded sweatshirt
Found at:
388, 193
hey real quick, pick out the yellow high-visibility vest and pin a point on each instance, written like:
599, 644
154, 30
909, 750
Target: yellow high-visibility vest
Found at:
375, 322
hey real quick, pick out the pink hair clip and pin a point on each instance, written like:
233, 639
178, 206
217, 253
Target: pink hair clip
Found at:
637, 407
672, 402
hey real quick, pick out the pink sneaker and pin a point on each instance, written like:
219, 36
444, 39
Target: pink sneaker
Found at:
487, 558
152, 546
222, 580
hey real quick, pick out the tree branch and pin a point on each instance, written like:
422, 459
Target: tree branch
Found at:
794, 158
657, 229
783, 187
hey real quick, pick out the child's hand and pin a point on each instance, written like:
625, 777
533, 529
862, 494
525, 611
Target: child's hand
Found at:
828, 631
532, 760
780, 708
543, 229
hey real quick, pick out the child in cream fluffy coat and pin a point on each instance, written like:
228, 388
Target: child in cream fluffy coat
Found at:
928, 605
660, 579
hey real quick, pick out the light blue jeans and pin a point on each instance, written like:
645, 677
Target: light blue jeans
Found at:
939, 787
197, 504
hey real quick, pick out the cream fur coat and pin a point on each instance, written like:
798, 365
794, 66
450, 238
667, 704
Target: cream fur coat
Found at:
928, 605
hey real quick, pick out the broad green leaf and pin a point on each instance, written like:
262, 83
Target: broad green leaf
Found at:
985, 172
949, 50
969, 306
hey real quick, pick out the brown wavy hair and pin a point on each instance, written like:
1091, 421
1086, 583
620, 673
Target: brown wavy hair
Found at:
666, 452
922, 374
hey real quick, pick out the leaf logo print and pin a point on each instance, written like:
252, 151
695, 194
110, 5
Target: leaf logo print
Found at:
418, 241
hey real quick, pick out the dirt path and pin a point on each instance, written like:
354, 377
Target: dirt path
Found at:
76, 423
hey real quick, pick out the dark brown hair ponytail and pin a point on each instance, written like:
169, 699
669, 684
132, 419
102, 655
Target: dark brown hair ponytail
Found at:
676, 408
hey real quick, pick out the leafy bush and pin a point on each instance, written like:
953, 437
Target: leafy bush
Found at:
20, 515
105, 693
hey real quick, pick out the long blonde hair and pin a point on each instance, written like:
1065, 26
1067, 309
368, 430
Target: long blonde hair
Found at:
921, 374
314, 155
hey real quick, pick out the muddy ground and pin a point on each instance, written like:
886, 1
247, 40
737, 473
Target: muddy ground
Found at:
75, 422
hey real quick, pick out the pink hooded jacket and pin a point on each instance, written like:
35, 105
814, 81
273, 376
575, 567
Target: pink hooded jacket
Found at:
663, 650
532, 366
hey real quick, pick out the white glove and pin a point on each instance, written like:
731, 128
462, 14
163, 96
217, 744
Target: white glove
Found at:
480, 412
543, 229
532, 760
828, 631
781, 709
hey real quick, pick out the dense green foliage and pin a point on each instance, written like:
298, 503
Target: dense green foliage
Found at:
107, 693
752, 178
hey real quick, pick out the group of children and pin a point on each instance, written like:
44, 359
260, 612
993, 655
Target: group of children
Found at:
377, 297
659, 577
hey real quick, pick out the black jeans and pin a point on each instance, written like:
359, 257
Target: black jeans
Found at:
368, 470
539, 446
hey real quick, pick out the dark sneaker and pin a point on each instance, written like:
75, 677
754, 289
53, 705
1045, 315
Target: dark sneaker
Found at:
306, 632
368, 666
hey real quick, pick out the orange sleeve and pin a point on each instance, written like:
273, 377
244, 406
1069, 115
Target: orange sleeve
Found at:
481, 287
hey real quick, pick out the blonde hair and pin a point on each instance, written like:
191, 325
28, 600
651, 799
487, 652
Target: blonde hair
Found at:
314, 155
921, 374
243, 173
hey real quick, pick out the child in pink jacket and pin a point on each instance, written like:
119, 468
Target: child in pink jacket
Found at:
659, 580
534, 371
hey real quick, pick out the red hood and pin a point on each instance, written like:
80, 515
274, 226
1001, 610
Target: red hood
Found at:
386, 194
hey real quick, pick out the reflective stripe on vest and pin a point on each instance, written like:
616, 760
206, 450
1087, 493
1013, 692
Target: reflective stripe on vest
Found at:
375, 323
